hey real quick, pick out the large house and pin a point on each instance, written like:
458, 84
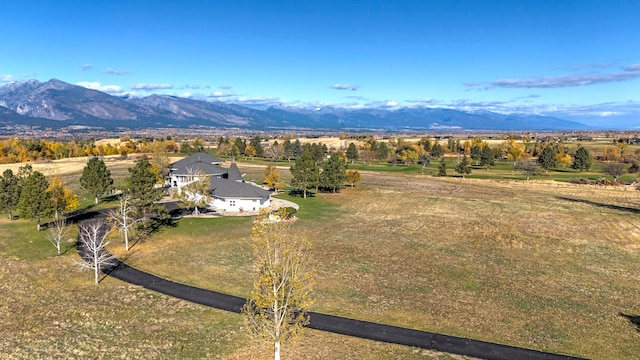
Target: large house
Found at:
228, 191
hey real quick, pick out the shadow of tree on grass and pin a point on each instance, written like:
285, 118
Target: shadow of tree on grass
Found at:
633, 319
607, 206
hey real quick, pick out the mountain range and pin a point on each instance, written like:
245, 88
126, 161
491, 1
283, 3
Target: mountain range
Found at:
57, 104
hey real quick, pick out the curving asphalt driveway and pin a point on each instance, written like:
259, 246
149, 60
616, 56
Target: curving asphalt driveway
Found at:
337, 324
331, 323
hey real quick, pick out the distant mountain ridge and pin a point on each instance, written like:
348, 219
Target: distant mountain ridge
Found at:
58, 104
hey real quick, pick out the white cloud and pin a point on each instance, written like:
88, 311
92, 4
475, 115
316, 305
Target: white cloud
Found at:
629, 72
111, 71
109, 89
6, 78
150, 87
195, 87
345, 87
86, 67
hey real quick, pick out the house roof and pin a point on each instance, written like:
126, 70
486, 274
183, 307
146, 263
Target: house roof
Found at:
226, 188
198, 162
197, 158
234, 173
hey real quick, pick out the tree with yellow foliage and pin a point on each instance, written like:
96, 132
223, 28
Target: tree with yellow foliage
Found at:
277, 309
62, 199
272, 178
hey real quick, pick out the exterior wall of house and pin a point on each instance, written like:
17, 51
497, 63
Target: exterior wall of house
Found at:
236, 205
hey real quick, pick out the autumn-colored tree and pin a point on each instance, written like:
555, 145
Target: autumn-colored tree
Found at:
272, 178
277, 309
62, 199
515, 151
352, 177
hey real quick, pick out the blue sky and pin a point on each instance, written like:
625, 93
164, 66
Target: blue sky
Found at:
579, 60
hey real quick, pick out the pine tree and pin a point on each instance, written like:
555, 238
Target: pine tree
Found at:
96, 178
9, 192
463, 166
305, 173
442, 169
333, 173
487, 157
35, 200
352, 152
581, 159
547, 158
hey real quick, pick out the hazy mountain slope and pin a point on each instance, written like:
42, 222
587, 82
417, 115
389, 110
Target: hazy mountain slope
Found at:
32, 101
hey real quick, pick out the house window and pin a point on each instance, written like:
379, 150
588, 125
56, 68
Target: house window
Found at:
232, 203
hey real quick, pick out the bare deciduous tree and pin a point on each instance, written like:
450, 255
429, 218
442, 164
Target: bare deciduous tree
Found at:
278, 307
93, 247
123, 218
58, 231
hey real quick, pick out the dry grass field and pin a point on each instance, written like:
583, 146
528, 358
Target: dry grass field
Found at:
533, 265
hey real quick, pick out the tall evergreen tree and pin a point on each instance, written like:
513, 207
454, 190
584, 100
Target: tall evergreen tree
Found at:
437, 151
333, 173
256, 143
463, 166
35, 200
352, 152
476, 153
382, 151
581, 159
9, 192
287, 147
487, 157
305, 173
296, 149
140, 186
442, 169
547, 158
96, 178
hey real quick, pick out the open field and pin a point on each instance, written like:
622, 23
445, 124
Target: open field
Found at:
538, 264
50, 310
533, 265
